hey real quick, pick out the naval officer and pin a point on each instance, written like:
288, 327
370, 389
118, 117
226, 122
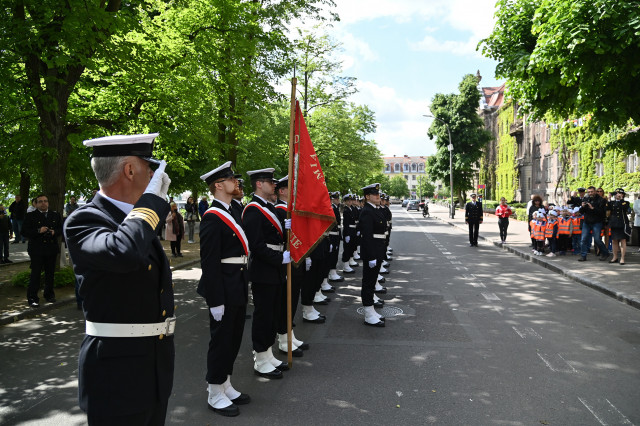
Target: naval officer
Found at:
126, 361
224, 251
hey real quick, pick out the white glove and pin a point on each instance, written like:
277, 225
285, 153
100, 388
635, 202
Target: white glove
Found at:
217, 312
358, 234
372, 264
159, 183
286, 257
307, 263
330, 248
347, 239
287, 224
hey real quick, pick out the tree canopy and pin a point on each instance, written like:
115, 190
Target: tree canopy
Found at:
398, 187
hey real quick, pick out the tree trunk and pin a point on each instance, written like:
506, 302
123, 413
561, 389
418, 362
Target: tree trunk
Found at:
25, 186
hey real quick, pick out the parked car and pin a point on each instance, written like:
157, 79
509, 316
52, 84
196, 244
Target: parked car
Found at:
413, 205
405, 202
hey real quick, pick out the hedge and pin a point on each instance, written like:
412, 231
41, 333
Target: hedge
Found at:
62, 278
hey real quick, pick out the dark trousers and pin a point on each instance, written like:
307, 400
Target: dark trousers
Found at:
151, 417
226, 336
369, 278
4, 247
266, 301
17, 229
474, 227
175, 246
297, 277
313, 280
38, 263
503, 224
563, 242
333, 257
553, 244
348, 248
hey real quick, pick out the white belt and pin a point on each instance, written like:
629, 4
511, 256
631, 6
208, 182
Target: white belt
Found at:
382, 236
103, 329
240, 260
352, 226
325, 234
334, 233
389, 222
276, 247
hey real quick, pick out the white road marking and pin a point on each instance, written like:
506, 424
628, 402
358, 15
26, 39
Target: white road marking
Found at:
526, 331
480, 285
490, 296
468, 276
455, 262
606, 413
557, 363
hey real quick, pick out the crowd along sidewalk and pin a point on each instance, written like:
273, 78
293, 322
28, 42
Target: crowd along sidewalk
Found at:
13, 303
619, 281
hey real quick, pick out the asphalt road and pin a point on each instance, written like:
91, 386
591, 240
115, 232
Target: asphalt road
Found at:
481, 337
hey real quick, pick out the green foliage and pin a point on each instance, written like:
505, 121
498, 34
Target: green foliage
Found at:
520, 214
398, 187
468, 135
425, 187
62, 278
506, 170
570, 57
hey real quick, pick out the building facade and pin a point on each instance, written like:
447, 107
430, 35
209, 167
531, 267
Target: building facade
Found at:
412, 168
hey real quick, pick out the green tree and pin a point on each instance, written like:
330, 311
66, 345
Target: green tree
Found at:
398, 187
425, 187
570, 58
468, 135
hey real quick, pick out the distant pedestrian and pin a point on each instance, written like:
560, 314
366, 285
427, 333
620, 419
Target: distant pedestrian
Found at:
503, 211
473, 217
203, 205
594, 209
191, 216
175, 230
536, 204
551, 232
575, 230
5, 229
42, 227
620, 226
18, 210
32, 207
71, 206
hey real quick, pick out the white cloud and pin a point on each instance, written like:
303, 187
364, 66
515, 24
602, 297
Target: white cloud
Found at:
462, 48
352, 11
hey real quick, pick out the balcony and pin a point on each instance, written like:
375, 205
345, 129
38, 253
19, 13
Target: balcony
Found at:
516, 128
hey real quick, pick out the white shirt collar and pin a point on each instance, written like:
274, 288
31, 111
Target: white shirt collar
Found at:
226, 206
263, 200
125, 207
372, 205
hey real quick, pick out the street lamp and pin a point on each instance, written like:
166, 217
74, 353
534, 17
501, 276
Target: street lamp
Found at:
452, 209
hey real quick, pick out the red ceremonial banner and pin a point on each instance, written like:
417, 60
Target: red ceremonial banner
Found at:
311, 211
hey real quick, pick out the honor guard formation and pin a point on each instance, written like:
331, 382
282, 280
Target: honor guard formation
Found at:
126, 359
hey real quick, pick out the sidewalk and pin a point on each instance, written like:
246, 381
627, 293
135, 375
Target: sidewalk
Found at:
619, 281
13, 305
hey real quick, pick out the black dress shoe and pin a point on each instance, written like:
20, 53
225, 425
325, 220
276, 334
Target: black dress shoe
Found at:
383, 280
297, 353
272, 375
230, 411
283, 366
378, 324
383, 291
322, 302
304, 346
348, 272
384, 273
319, 320
243, 399
339, 280
8, 261
331, 290
378, 304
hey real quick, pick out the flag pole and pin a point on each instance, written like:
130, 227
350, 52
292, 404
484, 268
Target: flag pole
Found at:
294, 80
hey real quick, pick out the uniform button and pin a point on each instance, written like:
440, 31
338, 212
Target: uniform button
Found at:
173, 285
161, 290
175, 307
149, 266
164, 313
233, 235
242, 269
161, 336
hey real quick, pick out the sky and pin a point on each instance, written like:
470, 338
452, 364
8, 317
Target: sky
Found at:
403, 52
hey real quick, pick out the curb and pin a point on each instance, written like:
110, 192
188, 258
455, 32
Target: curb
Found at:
30, 312
596, 285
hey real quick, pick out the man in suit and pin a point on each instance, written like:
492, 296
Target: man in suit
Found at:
473, 217
373, 226
224, 251
266, 272
126, 361
42, 227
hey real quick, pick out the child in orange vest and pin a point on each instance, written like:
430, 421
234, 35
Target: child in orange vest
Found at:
538, 232
576, 230
564, 223
551, 232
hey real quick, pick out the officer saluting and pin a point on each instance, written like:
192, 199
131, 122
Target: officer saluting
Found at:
126, 359
373, 226
224, 251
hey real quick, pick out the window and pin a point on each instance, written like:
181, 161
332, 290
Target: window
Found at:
414, 167
406, 177
575, 161
529, 183
406, 167
421, 167
547, 168
396, 168
413, 177
413, 187
632, 163
599, 169
387, 168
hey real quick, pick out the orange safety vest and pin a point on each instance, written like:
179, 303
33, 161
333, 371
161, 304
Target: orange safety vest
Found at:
602, 232
563, 226
539, 231
548, 230
532, 225
577, 225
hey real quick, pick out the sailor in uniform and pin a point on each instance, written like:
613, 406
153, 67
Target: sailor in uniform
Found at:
349, 235
266, 272
335, 238
224, 252
372, 224
236, 203
297, 278
473, 217
126, 362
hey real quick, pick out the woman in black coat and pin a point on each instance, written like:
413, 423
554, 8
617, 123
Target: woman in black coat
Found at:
619, 224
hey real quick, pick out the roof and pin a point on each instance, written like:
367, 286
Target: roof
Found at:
493, 96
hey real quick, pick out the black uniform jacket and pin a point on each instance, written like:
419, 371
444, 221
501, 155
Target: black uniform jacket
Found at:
236, 208
42, 244
348, 219
124, 277
388, 216
335, 239
265, 264
372, 221
473, 213
221, 283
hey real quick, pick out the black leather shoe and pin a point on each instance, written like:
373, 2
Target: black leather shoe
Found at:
331, 290
378, 324
319, 320
230, 411
383, 280
348, 272
385, 272
243, 399
322, 302
272, 375
383, 291
297, 353
304, 346
8, 261
339, 280
379, 304
283, 367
